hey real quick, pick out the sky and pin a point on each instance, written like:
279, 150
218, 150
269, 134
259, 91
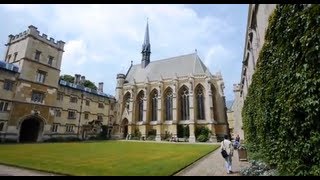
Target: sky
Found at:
103, 39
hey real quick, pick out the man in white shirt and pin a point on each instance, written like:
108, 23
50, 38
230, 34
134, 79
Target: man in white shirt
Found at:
226, 144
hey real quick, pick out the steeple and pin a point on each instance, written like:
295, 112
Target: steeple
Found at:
146, 48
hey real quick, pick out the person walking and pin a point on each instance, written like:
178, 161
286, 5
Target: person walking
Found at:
226, 145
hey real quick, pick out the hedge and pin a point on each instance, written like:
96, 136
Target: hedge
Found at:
281, 114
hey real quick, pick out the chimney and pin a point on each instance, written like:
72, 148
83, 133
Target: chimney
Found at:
100, 88
83, 79
76, 78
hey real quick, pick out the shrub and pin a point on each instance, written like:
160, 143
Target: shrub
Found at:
202, 133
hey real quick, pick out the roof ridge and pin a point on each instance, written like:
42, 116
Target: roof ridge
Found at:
169, 58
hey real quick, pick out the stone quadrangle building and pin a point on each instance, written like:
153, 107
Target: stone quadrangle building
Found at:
157, 96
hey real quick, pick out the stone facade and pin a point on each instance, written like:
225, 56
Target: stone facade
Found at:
162, 95
39, 105
257, 24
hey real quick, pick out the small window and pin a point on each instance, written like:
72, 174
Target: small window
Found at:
15, 56
50, 60
54, 127
4, 106
8, 58
87, 103
73, 99
58, 113
99, 117
71, 114
37, 55
60, 96
86, 116
100, 105
41, 76
69, 128
8, 85
37, 96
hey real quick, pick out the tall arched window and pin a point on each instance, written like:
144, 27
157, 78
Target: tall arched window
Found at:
140, 98
184, 103
1, 126
126, 101
200, 102
154, 105
168, 103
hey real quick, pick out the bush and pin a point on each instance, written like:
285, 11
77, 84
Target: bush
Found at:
136, 134
281, 111
62, 139
151, 138
202, 133
202, 138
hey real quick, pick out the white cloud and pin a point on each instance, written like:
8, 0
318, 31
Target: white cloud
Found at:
101, 40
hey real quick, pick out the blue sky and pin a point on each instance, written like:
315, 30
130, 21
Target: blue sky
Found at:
102, 39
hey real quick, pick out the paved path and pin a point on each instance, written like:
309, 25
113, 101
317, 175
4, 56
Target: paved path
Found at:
212, 165
15, 171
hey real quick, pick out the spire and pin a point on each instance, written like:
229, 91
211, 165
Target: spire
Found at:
146, 36
146, 48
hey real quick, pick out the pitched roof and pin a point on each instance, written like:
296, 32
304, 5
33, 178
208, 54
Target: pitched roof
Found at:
183, 65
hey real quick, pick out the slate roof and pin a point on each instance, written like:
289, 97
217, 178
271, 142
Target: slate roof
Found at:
183, 65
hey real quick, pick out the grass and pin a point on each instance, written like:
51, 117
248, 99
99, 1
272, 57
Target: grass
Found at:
107, 158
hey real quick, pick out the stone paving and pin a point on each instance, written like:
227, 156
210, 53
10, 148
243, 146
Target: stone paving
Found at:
15, 171
210, 165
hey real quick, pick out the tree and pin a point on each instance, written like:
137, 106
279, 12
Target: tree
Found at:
70, 79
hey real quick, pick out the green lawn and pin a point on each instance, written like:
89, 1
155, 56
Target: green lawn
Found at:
107, 158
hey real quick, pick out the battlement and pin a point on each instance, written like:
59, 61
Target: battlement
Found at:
33, 31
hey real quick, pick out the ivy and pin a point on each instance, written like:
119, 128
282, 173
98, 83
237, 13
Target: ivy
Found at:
281, 113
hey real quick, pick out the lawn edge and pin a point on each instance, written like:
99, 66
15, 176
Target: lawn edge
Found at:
189, 165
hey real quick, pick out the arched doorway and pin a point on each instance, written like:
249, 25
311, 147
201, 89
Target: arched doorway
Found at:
124, 127
30, 129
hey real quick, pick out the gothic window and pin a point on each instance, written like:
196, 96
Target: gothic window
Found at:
184, 103
1, 126
154, 105
168, 104
126, 101
140, 98
200, 102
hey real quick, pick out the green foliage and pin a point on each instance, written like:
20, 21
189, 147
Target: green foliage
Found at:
67, 78
90, 84
281, 112
136, 134
70, 79
202, 133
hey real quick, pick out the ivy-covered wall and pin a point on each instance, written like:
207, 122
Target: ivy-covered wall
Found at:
281, 113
